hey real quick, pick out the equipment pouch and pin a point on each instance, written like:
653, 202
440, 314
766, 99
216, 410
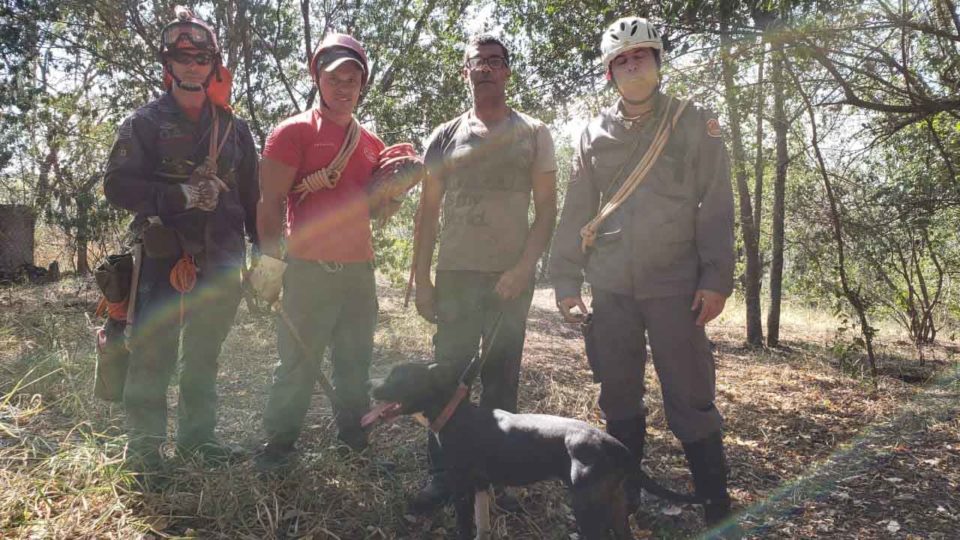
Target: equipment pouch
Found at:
112, 361
593, 357
113, 277
160, 241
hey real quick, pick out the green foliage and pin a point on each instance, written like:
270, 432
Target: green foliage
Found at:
881, 77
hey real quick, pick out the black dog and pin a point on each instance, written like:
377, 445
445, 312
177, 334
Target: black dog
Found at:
483, 447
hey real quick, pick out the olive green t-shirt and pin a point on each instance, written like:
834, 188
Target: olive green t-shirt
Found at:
487, 177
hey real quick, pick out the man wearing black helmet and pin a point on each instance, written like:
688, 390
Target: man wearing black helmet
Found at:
658, 255
187, 167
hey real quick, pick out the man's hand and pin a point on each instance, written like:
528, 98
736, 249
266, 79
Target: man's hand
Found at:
426, 303
565, 305
709, 303
267, 278
207, 186
514, 281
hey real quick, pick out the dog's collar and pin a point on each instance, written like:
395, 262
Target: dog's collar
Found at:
461, 392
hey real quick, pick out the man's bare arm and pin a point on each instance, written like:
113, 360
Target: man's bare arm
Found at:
276, 179
517, 279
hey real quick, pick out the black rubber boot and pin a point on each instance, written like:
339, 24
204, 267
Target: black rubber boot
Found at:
632, 432
709, 468
436, 493
211, 452
273, 456
434, 496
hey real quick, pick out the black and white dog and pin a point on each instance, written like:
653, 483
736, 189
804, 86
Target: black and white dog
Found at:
484, 447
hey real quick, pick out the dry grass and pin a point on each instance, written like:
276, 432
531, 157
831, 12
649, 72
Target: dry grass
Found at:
814, 450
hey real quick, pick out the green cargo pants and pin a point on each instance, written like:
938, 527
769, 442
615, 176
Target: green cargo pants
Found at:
467, 308
158, 341
617, 350
331, 305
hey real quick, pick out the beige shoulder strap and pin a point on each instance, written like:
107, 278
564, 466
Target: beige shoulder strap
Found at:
588, 234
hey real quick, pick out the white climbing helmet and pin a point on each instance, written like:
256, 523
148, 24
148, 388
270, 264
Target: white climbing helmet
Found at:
627, 34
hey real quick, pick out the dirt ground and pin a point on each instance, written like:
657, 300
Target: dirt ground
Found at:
815, 449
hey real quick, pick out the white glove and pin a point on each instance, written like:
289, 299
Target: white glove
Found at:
267, 278
203, 189
191, 194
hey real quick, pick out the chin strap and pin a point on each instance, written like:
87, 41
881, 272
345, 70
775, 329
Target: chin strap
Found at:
215, 72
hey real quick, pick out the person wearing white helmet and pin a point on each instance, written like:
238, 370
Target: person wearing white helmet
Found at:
658, 255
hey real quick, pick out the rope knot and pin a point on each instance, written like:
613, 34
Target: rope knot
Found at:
327, 177
588, 235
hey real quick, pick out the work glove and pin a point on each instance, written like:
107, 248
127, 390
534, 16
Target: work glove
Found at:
400, 169
207, 187
267, 278
191, 196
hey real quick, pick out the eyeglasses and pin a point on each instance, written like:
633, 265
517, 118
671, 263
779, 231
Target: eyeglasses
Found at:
494, 62
192, 32
183, 57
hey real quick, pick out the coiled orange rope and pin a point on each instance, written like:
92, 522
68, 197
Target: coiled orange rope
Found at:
183, 278
115, 310
327, 177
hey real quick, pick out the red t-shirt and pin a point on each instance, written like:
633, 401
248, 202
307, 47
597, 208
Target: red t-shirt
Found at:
329, 224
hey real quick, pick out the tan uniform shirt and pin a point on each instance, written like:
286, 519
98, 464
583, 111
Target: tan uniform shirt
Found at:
673, 235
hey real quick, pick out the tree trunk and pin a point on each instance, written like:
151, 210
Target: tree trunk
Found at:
852, 295
83, 234
758, 164
747, 227
308, 45
779, 196
243, 22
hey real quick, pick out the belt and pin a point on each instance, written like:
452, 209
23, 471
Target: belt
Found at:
335, 266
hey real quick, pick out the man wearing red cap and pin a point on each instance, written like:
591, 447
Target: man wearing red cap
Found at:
187, 167
319, 164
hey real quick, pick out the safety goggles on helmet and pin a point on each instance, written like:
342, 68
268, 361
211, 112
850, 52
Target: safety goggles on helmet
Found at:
181, 56
194, 34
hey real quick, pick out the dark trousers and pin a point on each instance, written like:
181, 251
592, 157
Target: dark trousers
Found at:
157, 342
681, 355
331, 306
467, 308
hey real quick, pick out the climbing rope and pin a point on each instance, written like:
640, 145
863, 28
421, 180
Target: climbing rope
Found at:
183, 278
588, 233
327, 177
209, 167
115, 310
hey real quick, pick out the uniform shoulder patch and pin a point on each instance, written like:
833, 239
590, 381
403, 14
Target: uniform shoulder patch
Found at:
713, 127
